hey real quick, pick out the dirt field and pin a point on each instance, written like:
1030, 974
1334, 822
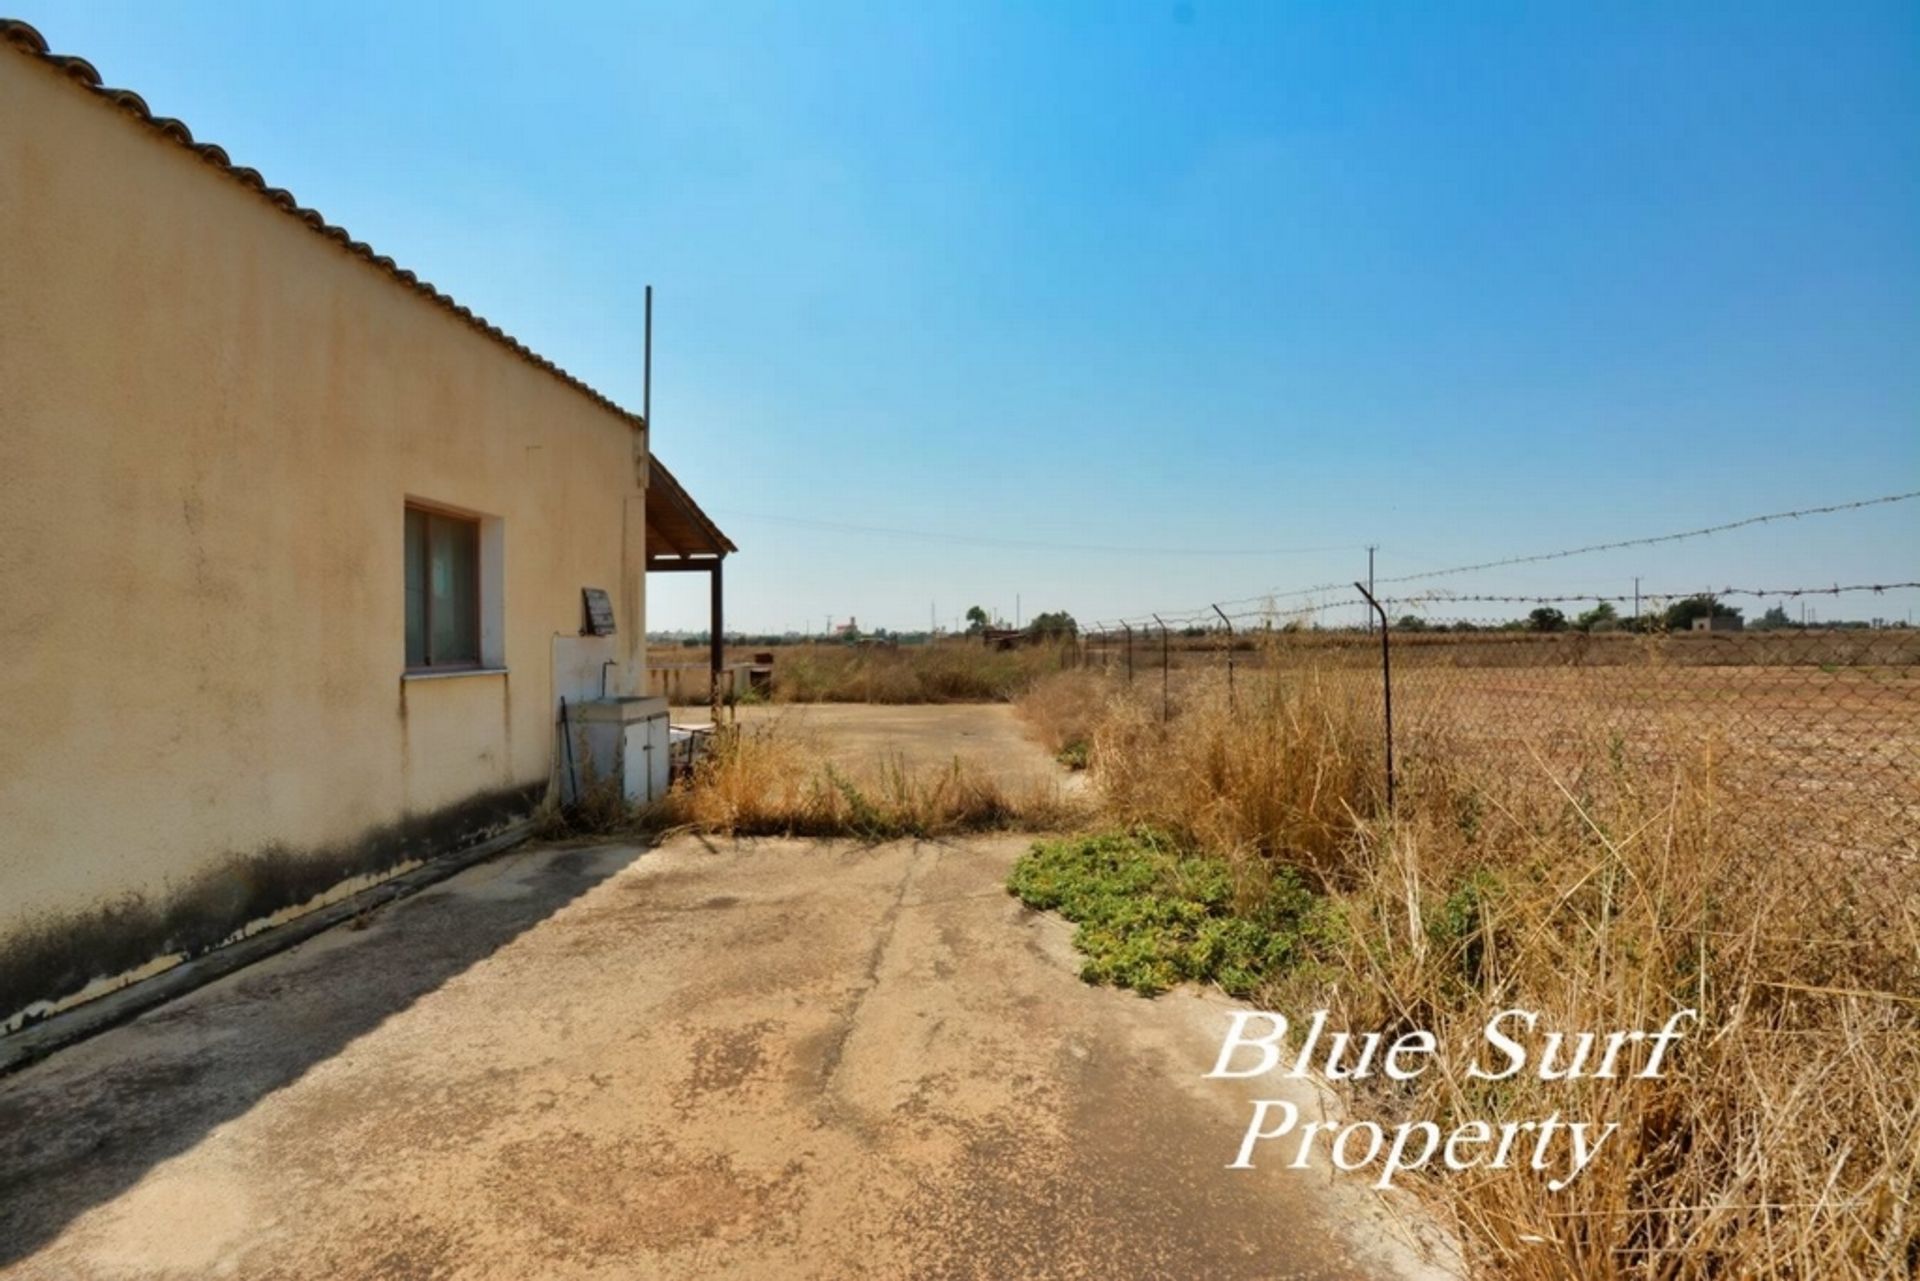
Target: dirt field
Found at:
768, 1059
859, 737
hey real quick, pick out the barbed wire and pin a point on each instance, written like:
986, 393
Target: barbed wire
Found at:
1208, 617
1442, 598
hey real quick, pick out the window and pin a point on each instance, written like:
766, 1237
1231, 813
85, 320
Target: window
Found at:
443, 590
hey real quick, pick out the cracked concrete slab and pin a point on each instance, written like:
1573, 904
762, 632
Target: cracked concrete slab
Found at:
765, 1059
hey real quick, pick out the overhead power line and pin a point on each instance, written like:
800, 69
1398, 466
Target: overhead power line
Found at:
1656, 538
1342, 585
1021, 544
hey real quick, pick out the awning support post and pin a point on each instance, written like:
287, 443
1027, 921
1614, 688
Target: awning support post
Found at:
716, 645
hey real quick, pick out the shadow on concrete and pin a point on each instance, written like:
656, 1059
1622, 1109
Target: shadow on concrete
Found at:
83, 1126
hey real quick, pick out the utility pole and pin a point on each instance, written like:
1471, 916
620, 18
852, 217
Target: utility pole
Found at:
1016, 611
1636, 602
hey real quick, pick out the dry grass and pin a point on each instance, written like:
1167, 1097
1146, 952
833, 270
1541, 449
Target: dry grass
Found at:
1784, 1140
1283, 775
1062, 709
771, 781
956, 671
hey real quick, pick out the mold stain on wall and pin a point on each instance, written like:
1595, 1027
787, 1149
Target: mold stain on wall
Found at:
59, 955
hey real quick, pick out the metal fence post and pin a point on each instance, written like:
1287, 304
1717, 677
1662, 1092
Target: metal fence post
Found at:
1386, 686
1129, 630
1230, 638
1166, 706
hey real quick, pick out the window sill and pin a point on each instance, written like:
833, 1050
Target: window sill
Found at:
450, 673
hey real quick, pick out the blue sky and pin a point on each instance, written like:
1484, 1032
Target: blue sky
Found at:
1259, 283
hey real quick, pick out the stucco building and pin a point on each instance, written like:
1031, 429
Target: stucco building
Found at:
292, 547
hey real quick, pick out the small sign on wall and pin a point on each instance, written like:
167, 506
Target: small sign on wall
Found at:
599, 612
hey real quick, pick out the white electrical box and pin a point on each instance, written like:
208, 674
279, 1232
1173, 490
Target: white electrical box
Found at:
626, 739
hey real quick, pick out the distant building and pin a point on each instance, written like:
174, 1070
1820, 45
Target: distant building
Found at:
1720, 623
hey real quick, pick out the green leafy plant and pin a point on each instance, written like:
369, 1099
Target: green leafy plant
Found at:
1152, 915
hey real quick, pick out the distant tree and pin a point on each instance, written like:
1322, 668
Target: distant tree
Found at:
1547, 619
976, 620
1775, 617
1058, 623
1680, 614
1410, 623
1602, 612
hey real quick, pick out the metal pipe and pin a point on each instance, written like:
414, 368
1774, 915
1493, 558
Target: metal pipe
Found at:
1386, 686
566, 740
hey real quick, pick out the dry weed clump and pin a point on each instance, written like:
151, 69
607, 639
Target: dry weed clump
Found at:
1062, 709
1284, 773
1783, 1140
766, 781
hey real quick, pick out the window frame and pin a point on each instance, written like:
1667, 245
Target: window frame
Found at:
478, 526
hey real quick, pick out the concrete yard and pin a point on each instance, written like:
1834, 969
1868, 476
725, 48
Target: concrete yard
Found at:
757, 1059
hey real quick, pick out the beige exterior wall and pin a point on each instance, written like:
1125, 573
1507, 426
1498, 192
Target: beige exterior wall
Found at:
211, 419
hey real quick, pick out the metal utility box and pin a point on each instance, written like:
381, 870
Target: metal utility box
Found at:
627, 739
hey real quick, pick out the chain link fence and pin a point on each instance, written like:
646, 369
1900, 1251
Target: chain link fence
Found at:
1813, 733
